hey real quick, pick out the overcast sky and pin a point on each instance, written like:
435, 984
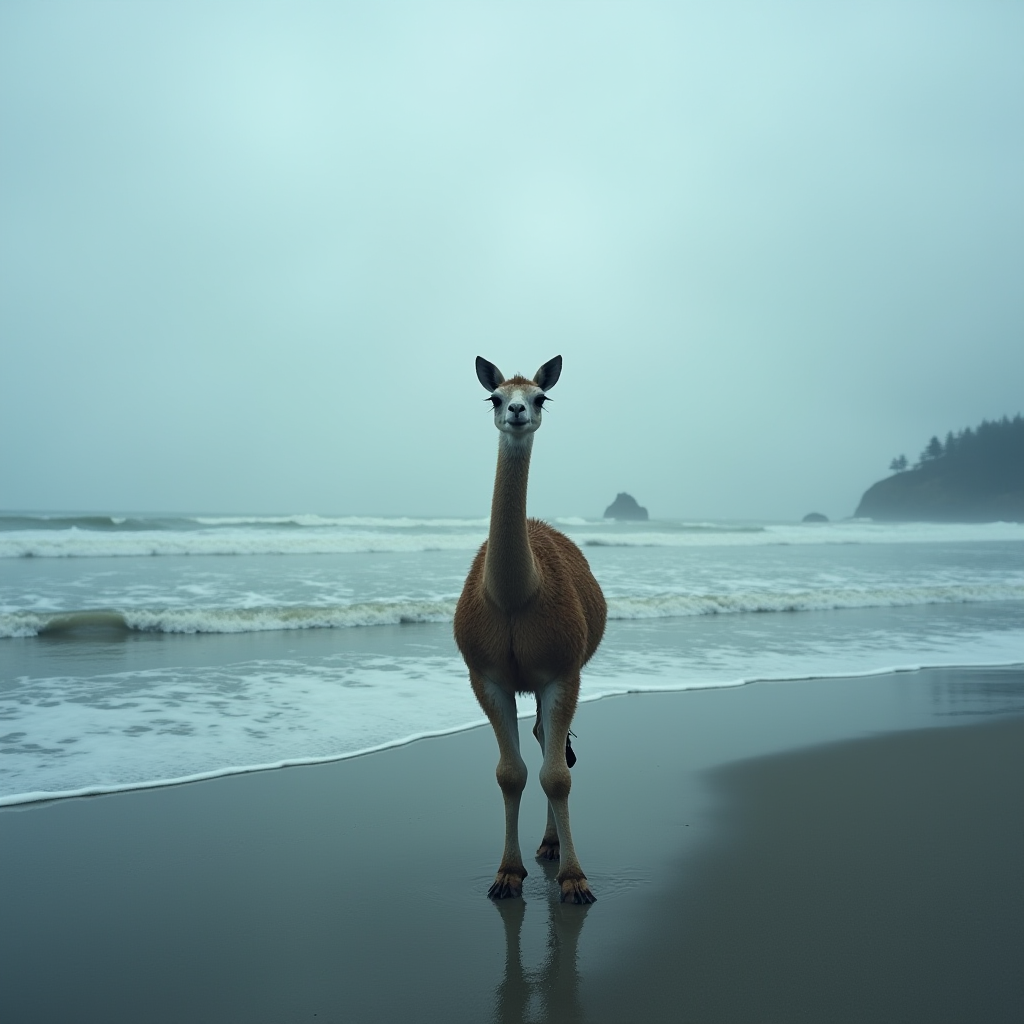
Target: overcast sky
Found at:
249, 252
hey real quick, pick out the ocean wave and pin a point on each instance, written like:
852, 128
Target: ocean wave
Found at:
855, 532
824, 599
76, 543
13, 523
134, 537
93, 523
378, 613
358, 522
225, 620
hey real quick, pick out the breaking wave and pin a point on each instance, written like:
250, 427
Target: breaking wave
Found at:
378, 613
113, 536
76, 543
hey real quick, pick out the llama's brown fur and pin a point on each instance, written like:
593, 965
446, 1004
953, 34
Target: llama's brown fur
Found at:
552, 636
530, 616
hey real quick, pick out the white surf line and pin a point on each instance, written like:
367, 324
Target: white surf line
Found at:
17, 800
395, 612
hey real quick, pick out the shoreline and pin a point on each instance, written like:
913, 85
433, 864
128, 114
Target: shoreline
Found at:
723, 830
28, 799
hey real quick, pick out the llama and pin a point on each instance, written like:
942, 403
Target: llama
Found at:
530, 616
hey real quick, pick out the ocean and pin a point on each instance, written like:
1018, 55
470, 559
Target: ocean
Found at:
144, 650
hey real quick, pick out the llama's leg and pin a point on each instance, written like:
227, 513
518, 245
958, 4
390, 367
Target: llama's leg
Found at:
500, 708
548, 849
557, 704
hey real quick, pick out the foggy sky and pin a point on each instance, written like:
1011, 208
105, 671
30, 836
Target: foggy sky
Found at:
249, 252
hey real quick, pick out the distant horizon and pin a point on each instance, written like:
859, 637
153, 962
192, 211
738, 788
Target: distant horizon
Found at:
192, 513
113, 513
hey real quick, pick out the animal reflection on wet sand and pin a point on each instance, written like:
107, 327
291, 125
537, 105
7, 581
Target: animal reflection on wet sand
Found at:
551, 989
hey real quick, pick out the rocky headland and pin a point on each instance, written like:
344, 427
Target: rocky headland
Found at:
976, 476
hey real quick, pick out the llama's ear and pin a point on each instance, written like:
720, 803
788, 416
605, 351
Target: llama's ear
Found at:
547, 376
488, 374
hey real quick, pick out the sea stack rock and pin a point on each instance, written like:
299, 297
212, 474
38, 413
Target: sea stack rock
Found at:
815, 517
625, 507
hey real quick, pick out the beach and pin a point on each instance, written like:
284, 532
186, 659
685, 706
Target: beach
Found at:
277, 537
841, 849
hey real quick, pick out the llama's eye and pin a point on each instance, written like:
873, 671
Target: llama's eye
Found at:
540, 400
496, 401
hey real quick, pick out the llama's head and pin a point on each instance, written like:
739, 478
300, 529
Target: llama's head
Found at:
518, 402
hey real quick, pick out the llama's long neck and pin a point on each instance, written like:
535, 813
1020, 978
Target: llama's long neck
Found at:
510, 572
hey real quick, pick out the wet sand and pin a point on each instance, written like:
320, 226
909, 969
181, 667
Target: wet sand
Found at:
828, 850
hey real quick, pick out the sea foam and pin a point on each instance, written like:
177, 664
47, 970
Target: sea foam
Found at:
395, 612
314, 535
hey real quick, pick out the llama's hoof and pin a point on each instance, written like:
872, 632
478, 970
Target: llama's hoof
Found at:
507, 885
576, 890
548, 849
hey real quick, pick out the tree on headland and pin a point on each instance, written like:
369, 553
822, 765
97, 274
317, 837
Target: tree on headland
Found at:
899, 464
932, 450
